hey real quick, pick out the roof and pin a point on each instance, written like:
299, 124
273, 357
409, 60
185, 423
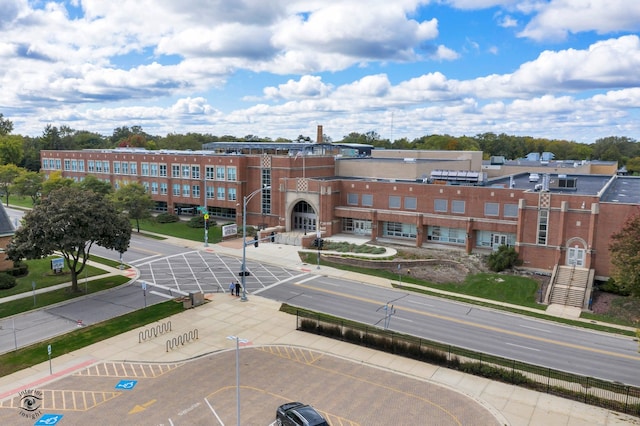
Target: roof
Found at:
623, 189
6, 227
585, 184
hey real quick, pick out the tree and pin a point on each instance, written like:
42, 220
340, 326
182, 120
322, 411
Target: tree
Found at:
11, 149
29, 184
625, 256
8, 174
55, 181
70, 221
134, 199
6, 125
92, 183
504, 258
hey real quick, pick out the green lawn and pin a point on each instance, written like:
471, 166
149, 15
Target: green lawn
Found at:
18, 201
180, 230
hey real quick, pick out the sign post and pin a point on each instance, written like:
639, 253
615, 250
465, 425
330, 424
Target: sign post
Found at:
49, 352
33, 286
144, 293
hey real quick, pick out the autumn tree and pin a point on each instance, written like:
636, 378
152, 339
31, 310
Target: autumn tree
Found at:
625, 256
135, 201
55, 181
70, 221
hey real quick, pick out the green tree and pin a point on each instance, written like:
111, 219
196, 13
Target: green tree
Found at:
504, 258
135, 201
6, 125
92, 183
55, 181
8, 174
11, 149
633, 165
70, 221
625, 256
29, 184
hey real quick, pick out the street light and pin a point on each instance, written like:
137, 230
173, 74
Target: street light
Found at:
243, 272
238, 341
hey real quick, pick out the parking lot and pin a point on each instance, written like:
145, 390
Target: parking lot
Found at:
203, 391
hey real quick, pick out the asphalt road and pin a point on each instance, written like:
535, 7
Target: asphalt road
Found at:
173, 269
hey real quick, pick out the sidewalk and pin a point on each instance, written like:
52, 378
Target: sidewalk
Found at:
260, 321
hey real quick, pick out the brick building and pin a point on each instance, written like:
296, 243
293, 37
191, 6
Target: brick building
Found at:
444, 198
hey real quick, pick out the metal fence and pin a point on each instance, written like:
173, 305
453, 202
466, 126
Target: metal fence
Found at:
611, 395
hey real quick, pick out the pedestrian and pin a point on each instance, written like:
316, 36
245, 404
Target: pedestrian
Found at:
231, 287
237, 288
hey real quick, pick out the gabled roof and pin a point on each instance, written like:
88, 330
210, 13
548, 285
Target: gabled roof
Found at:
6, 227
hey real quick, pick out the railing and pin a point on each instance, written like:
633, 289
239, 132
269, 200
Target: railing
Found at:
601, 393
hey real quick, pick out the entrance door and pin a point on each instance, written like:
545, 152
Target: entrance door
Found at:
498, 240
362, 227
576, 256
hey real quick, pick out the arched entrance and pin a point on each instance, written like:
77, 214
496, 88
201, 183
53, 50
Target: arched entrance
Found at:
576, 253
303, 217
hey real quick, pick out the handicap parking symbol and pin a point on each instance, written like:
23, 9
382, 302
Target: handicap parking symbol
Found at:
49, 419
126, 384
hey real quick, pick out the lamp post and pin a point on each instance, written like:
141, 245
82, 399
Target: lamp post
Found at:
238, 341
243, 271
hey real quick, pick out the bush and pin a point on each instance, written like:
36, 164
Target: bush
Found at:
610, 286
505, 258
7, 281
196, 222
20, 269
167, 218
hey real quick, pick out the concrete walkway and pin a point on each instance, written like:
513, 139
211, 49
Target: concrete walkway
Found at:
259, 321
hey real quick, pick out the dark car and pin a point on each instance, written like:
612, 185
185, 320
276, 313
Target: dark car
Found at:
299, 414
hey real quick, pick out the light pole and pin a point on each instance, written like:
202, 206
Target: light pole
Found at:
238, 341
243, 272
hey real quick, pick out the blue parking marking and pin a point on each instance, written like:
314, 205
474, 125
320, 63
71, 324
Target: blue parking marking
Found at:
126, 384
49, 419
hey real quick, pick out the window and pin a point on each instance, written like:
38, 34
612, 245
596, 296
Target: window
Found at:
186, 171
491, 209
457, 206
67, 164
231, 174
134, 168
394, 202
221, 193
440, 205
186, 190
163, 170
154, 169
410, 203
175, 170
367, 200
209, 173
446, 235
543, 223
163, 189
176, 189
397, 229
116, 167
90, 166
146, 186
195, 191
81, 165
195, 172
231, 194
220, 173
58, 164
125, 168
105, 166
144, 169
352, 199
265, 201
510, 210
99, 166
210, 192
154, 187
74, 165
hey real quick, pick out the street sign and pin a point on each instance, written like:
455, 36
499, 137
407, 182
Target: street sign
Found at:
206, 216
49, 349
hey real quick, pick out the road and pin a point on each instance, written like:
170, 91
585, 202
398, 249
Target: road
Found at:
181, 270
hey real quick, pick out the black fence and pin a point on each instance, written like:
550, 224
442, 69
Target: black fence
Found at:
597, 392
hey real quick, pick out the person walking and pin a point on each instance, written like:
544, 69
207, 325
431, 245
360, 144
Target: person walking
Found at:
237, 288
232, 286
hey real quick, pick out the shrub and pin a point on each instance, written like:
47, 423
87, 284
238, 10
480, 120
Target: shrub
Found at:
20, 269
167, 218
196, 222
611, 286
7, 281
505, 258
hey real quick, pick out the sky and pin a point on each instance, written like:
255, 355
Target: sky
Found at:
556, 69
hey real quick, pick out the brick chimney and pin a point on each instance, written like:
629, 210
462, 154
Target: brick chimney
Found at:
319, 136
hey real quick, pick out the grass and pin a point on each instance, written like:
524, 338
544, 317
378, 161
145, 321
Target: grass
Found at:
60, 295
180, 230
18, 201
37, 353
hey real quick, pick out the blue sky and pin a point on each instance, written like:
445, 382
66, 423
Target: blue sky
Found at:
565, 69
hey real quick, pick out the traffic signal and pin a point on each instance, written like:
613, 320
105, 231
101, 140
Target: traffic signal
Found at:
315, 243
245, 273
255, 241
320, 243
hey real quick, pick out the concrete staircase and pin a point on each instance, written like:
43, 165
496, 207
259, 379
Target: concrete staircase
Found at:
570, 286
